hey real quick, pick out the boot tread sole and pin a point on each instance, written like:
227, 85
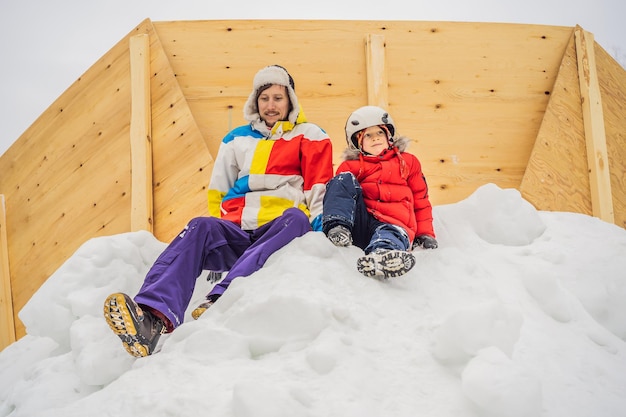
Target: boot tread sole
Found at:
119, 319
391, 264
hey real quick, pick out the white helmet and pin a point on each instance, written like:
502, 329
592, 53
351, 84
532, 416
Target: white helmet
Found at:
364, 117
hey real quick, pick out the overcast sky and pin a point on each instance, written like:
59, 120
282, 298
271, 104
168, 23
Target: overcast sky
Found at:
46, 45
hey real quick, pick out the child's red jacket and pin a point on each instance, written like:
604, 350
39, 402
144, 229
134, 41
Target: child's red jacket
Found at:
394, 187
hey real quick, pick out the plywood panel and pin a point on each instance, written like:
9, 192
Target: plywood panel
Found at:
69, 173
181, 159
68, 182
490, 110
217, 81
557, 177
475, 110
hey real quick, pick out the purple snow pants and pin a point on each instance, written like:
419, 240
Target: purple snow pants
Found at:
210, 243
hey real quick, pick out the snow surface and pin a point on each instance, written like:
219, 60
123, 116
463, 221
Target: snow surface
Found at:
518, 313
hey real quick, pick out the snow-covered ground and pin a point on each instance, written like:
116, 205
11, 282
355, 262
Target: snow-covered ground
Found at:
517, 313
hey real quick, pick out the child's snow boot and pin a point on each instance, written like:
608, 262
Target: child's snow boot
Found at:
340, 236
384, 263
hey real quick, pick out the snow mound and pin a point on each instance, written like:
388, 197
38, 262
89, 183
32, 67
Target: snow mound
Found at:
517, 313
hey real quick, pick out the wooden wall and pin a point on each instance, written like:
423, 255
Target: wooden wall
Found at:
482, 103
560, 173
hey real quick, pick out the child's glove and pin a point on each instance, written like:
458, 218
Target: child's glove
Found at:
425, 241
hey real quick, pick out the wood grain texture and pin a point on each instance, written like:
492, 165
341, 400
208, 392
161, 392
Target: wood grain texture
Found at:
593, 118
612, 80
557, 177
7, 323
140, 135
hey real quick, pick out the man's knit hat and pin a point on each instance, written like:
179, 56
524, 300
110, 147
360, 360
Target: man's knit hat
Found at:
273, 74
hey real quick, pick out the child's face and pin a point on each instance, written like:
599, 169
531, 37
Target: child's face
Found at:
374, 140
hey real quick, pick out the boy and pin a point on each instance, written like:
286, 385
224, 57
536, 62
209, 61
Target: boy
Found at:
378, 199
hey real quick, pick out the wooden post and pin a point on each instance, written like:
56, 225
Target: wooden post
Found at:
7, 323
140, 134
377, 82
595, 136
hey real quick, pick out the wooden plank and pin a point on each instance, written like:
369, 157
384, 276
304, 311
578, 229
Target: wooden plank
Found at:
140, 134
595, 136
377, 81
7, 324
612, 79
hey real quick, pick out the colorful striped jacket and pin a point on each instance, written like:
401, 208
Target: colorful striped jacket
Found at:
257, 177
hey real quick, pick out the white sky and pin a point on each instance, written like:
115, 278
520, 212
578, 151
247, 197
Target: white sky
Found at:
45, 46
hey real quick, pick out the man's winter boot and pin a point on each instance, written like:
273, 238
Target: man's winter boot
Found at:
385, 263
198, 311
138, 329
